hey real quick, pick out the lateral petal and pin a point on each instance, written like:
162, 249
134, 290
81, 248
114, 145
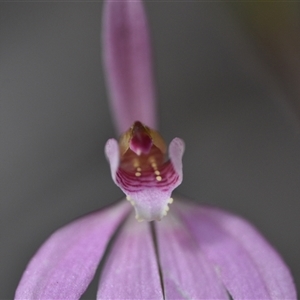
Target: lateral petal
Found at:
131, 271
66, 263
128, 63
246, 263
186, 272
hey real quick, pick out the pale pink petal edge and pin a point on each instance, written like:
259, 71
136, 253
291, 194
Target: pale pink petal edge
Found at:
66, 263
246, 263
131, 271
186, 272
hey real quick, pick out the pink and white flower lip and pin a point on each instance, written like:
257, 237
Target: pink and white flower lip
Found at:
195, 252
140, 169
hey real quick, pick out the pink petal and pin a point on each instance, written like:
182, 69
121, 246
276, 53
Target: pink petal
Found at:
149, 194
127, 58
248, 266
186, 272
66, 263
131, 271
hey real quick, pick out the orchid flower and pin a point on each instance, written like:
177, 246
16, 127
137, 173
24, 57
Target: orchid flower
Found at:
195, 252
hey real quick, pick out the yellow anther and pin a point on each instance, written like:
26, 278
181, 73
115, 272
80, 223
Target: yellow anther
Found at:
138, 174
170, 200
158, 178
153, 165
152, 160
157, 172
136, 163
139, 169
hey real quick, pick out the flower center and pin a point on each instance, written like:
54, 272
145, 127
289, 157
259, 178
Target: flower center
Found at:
141, 141
142, 151
140, 167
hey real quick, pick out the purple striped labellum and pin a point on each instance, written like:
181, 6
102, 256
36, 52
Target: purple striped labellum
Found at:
140, 167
